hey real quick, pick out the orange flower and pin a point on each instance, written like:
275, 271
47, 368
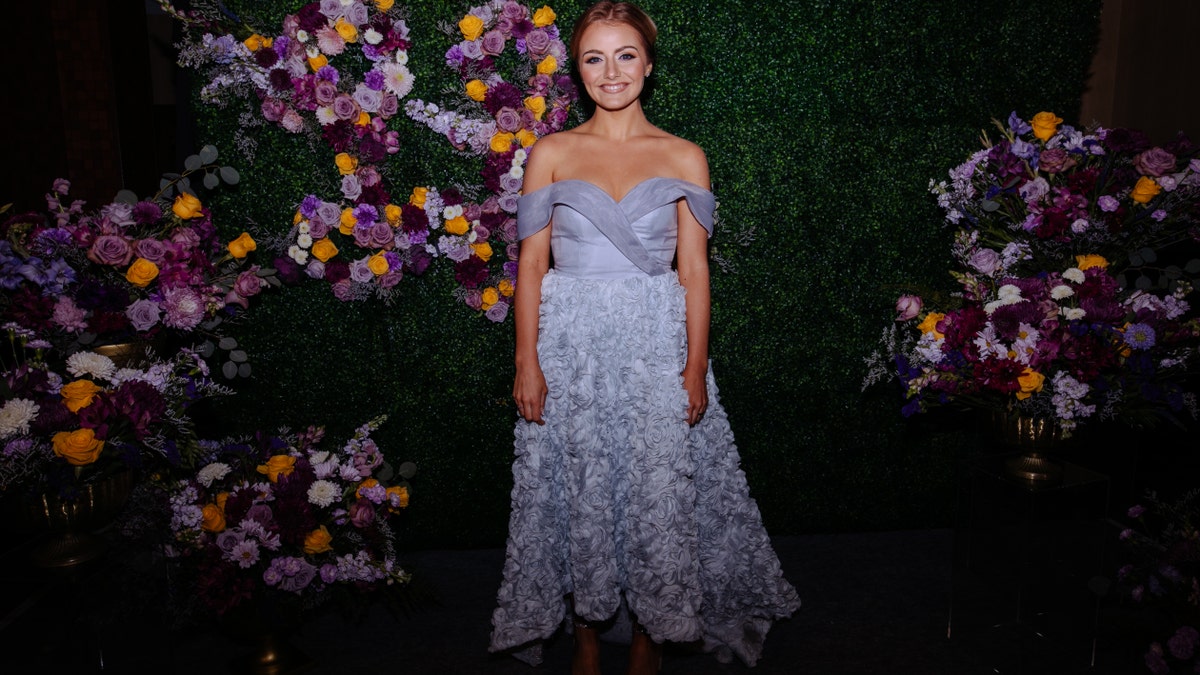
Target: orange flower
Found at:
401, 493
186, 206
276, 466
79, 394
141, 273
323, 249
318, 541
212, 518
79, 447
368, 483
242, 246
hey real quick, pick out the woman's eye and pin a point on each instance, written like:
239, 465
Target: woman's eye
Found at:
592, 59
627, 57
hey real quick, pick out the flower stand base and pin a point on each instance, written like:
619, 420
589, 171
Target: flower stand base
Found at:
271, 654
1034, 468
70, 524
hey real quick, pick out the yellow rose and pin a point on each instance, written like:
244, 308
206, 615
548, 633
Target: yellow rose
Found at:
242, 246
526, 137
79, 447
1089, 261
391, 213
347, 222
457, 225
276, 466
255, 42
483, 250
384, 5
417, 198
345, 163
346, 29
1044, 125
929, 324
1145, 190
368, 483
297, 217
401, 492
317, 62
477, 90
141, 273
548, 65
79, 394
471, 27
363, 119
543, 17
323, 249
502, 141
222, 497
490, 297
505, 287
186, 206
377, 264
212, 518
536, 105
1031, 382
317, 541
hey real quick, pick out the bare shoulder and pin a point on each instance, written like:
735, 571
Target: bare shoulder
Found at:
687, 159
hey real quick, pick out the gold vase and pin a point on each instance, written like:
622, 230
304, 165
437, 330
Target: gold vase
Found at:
1033, 438
124, 354
70, 524
264, 627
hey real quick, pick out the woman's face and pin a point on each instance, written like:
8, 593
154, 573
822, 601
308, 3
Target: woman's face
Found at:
613, 65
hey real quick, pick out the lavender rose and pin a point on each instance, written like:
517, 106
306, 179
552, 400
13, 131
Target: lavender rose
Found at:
389, 106
537, 41
110, 249
985, 261
492, 43
143, 314
368, 99
248, 283
508, 119
325, 92
362, 513
345, 108
273, 109
907, 307
381, 236
351, 188
1056, 160
329, 213
510, 183
150, 249
1154, 162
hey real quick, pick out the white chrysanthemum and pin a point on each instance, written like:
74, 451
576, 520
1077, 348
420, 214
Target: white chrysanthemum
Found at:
452, 212
1074, 274
213, 472
302, 35
16, 415
402, 57
304, 240
1061, 291
326, 116
516, 172
80, 364
372, 36
520, 156
396, 79
1073, 313
298, 254
323, 493
318, 456
303, 227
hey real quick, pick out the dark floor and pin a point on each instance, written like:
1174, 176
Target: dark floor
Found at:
873, 603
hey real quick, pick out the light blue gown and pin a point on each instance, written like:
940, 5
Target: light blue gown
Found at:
616, 500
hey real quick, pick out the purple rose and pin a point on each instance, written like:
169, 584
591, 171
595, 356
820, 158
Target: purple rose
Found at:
143, 314
492, 43
1108, 203
329, 573
1154, 162
110, 250
325, 92
389, 106
367, 98
510, 183
471, 50
369, 176
150, 249
985, 261
537, 42
497, 312
329, 213
362, 513
345, 108
351, 188
248, 283
273, 109
514, 11
907, 307
360, 272
508, 119
1055, 160
380, 235
356, 14
261, 513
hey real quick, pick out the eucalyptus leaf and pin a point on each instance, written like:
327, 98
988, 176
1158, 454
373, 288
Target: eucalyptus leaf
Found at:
1135, 259
86, 338
207, 348
1148, 255
185, 186
238, 356
1173, 272
989, 205
227, 343
385, 472
192, 163
265, 272
1143, 282
229, 369
407, 470
274, 281
208, 154
211, 181
244, 370
126, 197
212, 323
229, 175
1193, 266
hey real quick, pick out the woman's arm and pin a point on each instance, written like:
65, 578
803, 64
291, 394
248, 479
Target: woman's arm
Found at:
691, 260
529, 385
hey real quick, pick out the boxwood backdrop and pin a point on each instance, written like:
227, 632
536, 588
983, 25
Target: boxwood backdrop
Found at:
823, 121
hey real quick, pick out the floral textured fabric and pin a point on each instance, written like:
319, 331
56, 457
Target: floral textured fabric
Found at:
616, 499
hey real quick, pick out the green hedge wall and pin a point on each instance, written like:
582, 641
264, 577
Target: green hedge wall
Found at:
823, 122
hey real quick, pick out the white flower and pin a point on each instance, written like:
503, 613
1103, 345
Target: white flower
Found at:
323, 493
326, 116
1073, 313
298, 254
318, 456
212, 472
372, 36
520, 156
303, 227
1009, 294
516, 172
402, 57
90, 363
1080, 226
16, 415
1074, 274
1061, 291
452, 212
396, 79
304, 240
302, 35
312, 51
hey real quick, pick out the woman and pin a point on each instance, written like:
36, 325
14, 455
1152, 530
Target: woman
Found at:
627, 492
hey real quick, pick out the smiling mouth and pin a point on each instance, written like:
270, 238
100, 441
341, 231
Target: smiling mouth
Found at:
611, 88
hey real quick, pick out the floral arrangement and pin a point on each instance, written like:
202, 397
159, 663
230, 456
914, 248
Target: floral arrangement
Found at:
1165, 574
69, 421
497, 118
282, 516
306, 79
1070, 255
130, 270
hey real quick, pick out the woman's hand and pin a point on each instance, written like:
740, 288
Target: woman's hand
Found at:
529, 392
696, 386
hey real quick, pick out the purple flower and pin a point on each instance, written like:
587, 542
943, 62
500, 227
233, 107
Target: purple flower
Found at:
146, 213
329, 573
1140, 336
497, 312
1154, 162
185, 309
1136, 511
362, 513
986, 261
244, 553
537, 41
367, 98
360, 272
143, 314
110, 250
248, 283
1108, 203
492, 43
345, 108
351, 188
151, 249
1183, 644
272, 575
273, 109
508, 119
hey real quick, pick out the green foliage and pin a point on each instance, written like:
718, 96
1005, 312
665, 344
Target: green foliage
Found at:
823, 122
